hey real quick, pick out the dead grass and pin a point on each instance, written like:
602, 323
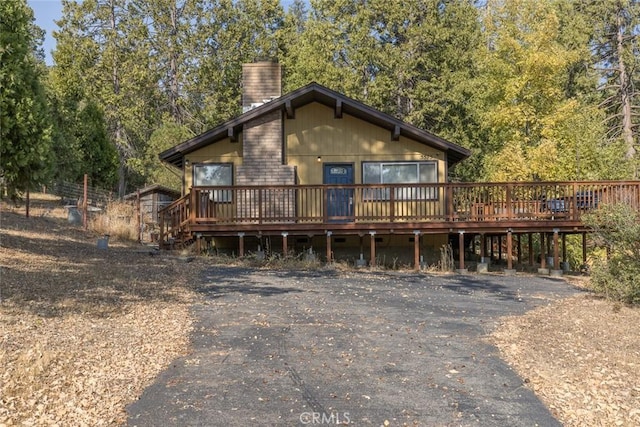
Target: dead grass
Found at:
581, 356
83, 331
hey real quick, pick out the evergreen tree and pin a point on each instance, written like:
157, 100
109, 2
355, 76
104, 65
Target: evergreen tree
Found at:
616, 58
25, 132
103, 53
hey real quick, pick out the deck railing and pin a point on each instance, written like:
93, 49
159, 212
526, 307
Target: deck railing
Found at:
221, 207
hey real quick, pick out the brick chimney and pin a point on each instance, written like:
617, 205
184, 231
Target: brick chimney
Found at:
263, 160
261, 82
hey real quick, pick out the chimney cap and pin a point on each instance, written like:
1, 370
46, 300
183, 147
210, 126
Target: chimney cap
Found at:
266, 58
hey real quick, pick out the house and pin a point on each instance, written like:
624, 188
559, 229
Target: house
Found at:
314, 170
312, 136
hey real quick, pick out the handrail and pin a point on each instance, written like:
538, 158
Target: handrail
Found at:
324, 205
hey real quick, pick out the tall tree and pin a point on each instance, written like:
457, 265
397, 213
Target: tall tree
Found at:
534, 118
25, 133
171, 39
616, 25
230, 33
103, 50
414, 60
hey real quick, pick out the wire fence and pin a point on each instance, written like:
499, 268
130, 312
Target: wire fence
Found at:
73, 194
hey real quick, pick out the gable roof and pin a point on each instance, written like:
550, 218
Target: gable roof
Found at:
154, 188
315, 92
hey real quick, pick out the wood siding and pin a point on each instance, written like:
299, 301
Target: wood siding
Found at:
223, 151
316, 132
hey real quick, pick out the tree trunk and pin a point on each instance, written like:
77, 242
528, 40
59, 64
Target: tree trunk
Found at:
625, 88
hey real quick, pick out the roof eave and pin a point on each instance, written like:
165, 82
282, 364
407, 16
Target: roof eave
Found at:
314, 92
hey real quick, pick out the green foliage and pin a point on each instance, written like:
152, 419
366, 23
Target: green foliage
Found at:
166, 136
518, 82
527, 72
25, 134
617, 227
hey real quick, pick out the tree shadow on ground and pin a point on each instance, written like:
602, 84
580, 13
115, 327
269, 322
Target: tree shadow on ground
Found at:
219, 291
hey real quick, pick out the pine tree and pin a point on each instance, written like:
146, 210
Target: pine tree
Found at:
25, 130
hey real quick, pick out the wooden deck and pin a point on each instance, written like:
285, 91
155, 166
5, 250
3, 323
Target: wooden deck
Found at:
453, 208
429, 208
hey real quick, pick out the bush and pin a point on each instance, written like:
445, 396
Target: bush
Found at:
617, 228
118, 220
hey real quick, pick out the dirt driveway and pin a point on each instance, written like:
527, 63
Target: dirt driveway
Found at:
361, 348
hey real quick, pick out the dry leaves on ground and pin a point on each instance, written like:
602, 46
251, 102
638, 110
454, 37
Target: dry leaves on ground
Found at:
83, 331
581, 356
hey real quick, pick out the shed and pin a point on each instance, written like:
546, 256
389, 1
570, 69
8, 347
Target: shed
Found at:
152, 199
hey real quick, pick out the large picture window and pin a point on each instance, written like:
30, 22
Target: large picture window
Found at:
214, 175
401, 173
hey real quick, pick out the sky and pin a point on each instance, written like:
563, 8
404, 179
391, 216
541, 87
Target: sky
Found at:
48, 11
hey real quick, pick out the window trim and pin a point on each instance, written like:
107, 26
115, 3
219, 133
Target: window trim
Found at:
217, 196
432, 193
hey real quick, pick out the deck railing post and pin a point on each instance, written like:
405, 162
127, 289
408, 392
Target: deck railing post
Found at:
325, 206
449, 200
574, 205
193, 206
161, 236
392, 204
508, 200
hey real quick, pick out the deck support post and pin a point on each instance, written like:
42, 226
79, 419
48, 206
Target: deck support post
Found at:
500, 247
372, 235
285, 249
584, 248
483, 265
241, 245
509, 271
543, 255
198, 244
329, 257
509, 249
556, 271
564, 249
519, 248
416, 250
473, 245
461, 268
491, 253
530, 248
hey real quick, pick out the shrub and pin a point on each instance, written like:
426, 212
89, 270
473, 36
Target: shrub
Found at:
617, 228
118, 220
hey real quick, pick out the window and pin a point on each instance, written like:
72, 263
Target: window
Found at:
214, 174
401, 173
